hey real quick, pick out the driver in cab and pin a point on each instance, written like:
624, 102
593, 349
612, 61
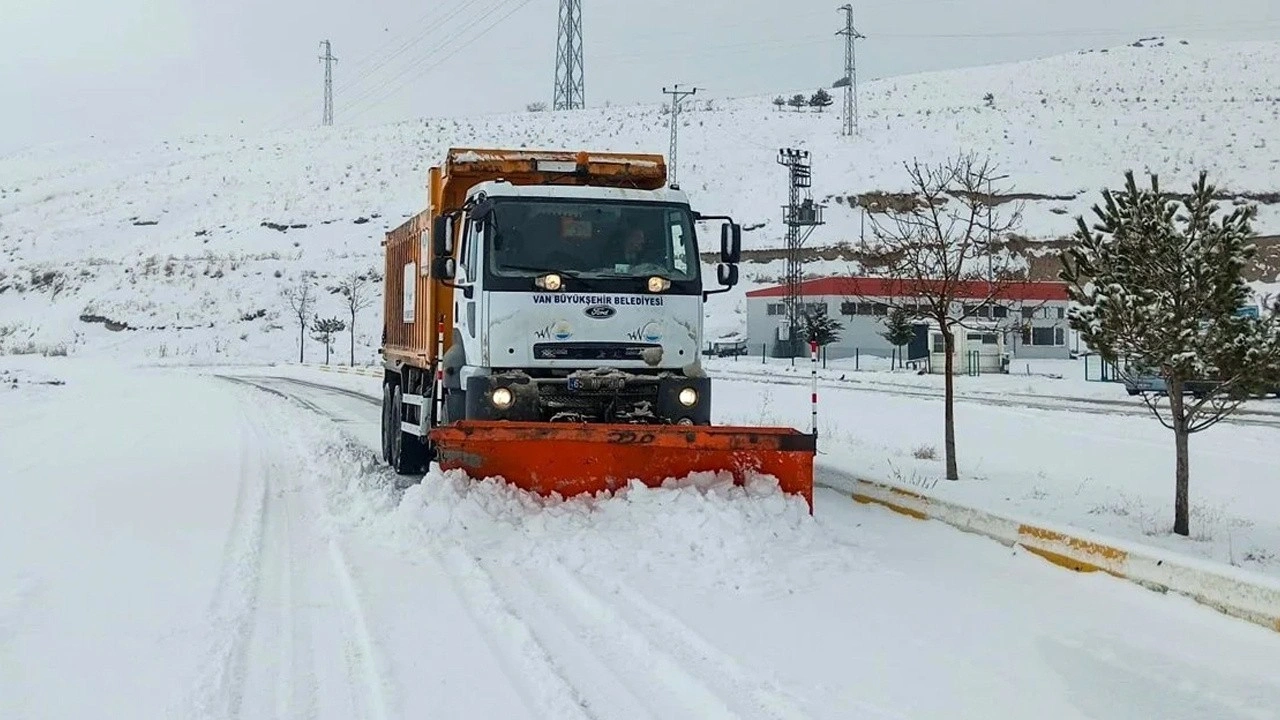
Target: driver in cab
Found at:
638, 249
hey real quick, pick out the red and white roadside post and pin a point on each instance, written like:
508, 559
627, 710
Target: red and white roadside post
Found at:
439, 385
813, 377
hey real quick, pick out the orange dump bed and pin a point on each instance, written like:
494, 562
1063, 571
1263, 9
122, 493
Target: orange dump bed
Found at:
571, 459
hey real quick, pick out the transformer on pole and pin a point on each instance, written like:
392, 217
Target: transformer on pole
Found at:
800, 215
570, 93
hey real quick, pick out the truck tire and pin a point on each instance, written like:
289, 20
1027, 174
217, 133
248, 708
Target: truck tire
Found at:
408, 453
386, 422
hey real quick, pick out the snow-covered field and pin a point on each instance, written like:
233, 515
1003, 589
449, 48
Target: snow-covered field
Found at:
202, 232
1079, 453
257, 563
241, 551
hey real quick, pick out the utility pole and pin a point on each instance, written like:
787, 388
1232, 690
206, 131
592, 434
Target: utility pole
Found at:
850, 79
570, 93
677, 95
801, 215
328, 59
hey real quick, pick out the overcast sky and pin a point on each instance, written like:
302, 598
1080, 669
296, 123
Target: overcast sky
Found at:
138, 69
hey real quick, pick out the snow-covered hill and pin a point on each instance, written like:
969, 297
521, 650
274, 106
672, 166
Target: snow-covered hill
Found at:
196, 236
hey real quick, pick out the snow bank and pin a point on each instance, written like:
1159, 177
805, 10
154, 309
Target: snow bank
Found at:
704, 528
1244, 595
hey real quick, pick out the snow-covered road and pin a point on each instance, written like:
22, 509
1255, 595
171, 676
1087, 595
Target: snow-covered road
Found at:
201, 547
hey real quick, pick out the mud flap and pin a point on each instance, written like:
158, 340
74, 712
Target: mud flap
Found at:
571, 459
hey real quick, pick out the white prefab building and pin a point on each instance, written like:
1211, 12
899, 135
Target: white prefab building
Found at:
976, 349
1028, 318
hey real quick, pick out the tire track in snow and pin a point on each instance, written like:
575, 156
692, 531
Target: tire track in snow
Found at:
676, 676
604, 691
1017, 401
686, 646
301, 644
363, 640
530, 669
219, 691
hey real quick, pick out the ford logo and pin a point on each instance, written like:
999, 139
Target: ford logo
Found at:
599, 312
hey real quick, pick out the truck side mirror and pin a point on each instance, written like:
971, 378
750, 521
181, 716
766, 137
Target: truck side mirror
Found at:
730, 243
727, 275
442, 236
444, 268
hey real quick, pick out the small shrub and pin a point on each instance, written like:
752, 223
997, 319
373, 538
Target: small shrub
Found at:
925, 452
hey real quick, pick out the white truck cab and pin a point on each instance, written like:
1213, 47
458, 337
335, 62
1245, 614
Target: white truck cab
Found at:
577, 303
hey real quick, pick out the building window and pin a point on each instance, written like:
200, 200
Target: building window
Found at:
1028, 313
777, 309
999, 311
848, 308
1062, 313
1044, 336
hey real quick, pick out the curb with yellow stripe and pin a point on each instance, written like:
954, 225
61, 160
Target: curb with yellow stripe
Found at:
1240, 594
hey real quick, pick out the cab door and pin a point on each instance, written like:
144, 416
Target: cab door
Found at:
468, 306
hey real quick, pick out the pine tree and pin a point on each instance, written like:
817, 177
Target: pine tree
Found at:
1158, 284
820, 327
779, 102
820, 99
899, 330
324, 330
797, 101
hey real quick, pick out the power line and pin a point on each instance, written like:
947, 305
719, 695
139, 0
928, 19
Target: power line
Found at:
570, 92
409, 41
295, 110
392, 86
328, 59
425, 51
677, 96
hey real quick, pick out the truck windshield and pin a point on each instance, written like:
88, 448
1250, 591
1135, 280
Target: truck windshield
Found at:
592, 239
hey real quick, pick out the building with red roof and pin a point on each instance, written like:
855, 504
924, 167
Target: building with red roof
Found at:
1028, 317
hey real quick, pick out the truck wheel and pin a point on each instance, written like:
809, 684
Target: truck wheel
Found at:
407, 451
386, 422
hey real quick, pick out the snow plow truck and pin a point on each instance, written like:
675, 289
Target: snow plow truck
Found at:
543, 325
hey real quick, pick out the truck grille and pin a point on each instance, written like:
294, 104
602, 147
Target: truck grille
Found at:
599, 351
603, 404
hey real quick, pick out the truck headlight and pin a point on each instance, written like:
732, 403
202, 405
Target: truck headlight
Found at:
658, 284
502, 398
688, 397
550, 281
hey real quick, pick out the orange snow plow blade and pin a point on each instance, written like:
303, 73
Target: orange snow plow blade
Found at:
571, 459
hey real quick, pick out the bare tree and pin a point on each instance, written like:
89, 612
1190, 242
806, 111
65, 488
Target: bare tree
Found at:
358, 291
300, 300
936, 248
